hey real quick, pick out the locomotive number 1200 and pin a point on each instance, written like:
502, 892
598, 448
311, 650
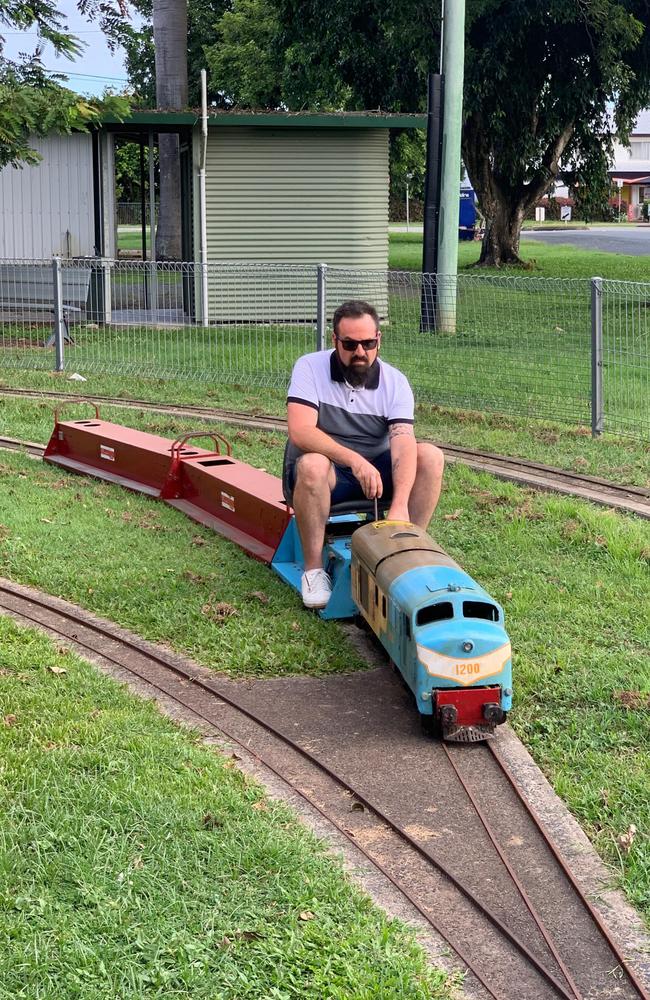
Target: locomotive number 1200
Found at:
466, 669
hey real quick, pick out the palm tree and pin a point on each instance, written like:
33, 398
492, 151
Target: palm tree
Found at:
170, 42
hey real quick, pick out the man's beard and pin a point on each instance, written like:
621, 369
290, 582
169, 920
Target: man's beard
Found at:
357, 374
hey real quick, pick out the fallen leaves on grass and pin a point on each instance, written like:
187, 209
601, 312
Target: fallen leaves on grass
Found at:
486, 498
260, 596
10, 720
218, 611
547, 437
453, 517
625, 840
198, 540
57, 670
228, 941
194, 577
633, 700
210, 822
306, 915
525, 512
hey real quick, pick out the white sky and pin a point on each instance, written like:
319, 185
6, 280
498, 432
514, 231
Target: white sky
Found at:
94, 70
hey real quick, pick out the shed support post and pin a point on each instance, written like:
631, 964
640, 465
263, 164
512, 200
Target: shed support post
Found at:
108, 292
58, 332
321, 306
597, 415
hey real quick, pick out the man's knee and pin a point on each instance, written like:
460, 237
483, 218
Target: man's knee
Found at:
312, 471
431, 461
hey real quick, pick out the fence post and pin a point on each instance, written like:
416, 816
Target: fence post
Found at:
597, 415
59, 320
321, 306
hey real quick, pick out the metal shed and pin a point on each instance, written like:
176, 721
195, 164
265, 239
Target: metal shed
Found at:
303, 192
49, 208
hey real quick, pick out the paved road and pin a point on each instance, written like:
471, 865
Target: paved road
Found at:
630, 241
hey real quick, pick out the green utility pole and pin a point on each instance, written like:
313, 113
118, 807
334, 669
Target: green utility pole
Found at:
453, 63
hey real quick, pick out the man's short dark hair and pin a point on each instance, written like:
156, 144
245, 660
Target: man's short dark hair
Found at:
354, 309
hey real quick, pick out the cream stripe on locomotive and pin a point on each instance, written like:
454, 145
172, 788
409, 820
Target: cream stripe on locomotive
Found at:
464, 672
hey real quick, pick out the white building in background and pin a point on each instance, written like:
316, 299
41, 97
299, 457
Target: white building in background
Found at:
630, 171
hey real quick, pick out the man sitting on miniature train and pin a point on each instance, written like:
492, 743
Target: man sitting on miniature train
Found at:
350, 421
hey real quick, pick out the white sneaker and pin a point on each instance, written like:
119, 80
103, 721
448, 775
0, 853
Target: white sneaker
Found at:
316, 588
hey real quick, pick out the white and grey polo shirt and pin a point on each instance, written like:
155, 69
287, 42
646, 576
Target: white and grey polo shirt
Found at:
356, 417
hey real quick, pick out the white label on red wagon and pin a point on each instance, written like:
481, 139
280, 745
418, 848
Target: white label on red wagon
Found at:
227, 501
105, 451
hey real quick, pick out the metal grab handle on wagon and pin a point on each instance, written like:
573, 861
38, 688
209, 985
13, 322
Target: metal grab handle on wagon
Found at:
74, 402
179, 443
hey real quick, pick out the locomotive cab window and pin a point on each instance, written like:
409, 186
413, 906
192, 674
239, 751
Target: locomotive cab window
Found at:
480, 609
435, 613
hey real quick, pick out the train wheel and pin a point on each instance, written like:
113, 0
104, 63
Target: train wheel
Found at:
431, 726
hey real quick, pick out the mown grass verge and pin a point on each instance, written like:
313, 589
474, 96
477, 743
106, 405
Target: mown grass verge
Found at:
136, 863
552, 443
574, 579
542, 259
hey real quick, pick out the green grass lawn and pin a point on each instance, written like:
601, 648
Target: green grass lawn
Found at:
563, 261
136, 863
552, 443
521, 346
574, 580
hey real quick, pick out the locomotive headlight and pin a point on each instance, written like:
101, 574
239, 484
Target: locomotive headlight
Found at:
468, 646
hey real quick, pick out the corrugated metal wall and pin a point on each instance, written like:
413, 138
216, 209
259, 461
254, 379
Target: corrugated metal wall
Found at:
300, 196
48, 209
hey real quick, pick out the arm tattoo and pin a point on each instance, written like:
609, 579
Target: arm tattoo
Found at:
395, 430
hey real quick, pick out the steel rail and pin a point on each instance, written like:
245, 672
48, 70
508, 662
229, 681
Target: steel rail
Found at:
593, 913
13, 444
634, 499
513, 875
214, 689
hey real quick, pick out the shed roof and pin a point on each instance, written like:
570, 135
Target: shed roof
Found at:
170, 120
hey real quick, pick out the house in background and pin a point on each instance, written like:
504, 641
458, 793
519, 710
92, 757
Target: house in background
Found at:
631, 169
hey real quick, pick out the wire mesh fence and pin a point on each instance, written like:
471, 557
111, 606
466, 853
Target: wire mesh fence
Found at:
517, 345
129, 213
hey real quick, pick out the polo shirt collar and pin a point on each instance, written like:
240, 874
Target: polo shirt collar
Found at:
338, 375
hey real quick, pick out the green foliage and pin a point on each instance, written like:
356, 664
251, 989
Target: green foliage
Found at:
127, 171
578, 58
407, 163
245, 62
33, 102
202, 19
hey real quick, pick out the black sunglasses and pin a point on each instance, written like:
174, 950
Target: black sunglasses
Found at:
351, 345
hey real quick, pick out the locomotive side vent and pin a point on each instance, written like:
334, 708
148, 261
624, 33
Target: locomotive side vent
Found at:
435, 613
479, 609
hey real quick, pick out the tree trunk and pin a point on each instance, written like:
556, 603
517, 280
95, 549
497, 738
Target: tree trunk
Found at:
170, 41
502, 231
504, 199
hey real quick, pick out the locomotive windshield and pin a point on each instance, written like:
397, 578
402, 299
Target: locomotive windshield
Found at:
435, 613
480, 609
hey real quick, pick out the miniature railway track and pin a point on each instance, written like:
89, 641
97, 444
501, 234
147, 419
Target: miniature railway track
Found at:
633, 499
491, 886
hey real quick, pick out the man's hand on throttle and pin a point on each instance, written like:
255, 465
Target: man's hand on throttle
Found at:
368, 477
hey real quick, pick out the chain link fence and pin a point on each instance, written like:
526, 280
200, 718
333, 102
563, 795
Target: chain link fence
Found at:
571, 350
129, 213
